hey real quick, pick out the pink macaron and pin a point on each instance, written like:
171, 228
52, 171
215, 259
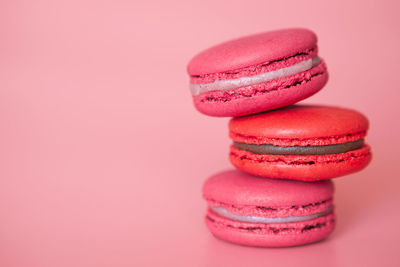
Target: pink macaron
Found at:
254, 211
257, 73
300, 142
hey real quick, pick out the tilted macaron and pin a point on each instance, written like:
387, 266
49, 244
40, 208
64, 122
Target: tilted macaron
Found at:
300, 142
256, 211
257, 73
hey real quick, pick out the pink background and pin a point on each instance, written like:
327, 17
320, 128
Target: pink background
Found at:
102, 155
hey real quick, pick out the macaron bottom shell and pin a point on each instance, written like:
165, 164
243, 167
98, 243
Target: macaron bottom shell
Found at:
301, 167
270, 235
264, 96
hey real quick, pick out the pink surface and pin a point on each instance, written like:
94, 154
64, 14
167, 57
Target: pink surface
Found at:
93, 94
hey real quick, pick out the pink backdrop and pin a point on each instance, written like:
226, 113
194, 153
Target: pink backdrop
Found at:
102, 155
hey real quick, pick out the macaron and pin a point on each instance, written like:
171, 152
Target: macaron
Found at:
257, 73
264, 212
300, 142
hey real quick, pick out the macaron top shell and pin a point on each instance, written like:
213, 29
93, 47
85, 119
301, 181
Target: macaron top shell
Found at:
301, 122
237, 188
252, 50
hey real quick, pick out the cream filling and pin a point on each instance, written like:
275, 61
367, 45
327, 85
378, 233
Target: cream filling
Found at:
224, 85
254, 219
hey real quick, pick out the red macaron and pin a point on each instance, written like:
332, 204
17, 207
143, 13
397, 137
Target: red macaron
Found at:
257, 73
300, 142
264, 212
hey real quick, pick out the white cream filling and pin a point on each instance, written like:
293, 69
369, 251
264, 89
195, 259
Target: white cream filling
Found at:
224, 85
254, 219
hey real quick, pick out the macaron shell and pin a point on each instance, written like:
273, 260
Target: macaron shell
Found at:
252, 50
301, 122
302, 168
237, 188
273, 97
270, 235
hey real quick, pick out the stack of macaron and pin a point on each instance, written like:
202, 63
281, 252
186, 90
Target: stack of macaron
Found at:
285, 155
